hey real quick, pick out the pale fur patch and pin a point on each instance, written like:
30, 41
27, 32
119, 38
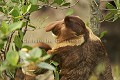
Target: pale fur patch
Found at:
72, 42
92, 36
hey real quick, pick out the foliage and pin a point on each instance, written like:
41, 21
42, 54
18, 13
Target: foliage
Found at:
114, 11
112, 15
56, 72
102, 34
16, 22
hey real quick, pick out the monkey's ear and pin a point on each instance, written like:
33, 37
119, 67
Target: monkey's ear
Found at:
52, 25
75, 24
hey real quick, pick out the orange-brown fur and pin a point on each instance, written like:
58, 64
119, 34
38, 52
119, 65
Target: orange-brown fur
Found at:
78, 61
42, 45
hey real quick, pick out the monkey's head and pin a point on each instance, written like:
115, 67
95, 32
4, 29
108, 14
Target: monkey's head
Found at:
70, 27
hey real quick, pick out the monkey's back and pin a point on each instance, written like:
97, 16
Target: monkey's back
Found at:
79, 62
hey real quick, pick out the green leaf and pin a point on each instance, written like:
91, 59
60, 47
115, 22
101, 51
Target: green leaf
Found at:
1, 35
23, 55
4, 28
109, 16
9, 4
55, 63
15, 12
59, 2
18, 41
46, 66
117, 3
69, 12
24, 9
15, 25
1, 45
5, 10
103, 33
33, 8
46, 57
2, 3
110, 6
27, 47
34, 2
36, 53
32, 59
28, 8
21, 34
113, 9
66, 4
4, 38
44, 53
116, 16
56, 73
1, 9
12, 57
3, 66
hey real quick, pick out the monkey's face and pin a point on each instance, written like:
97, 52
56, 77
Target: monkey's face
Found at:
70, 27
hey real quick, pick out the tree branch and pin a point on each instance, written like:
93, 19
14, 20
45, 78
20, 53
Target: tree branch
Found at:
25, 30
54, 7
8, 43
95, 16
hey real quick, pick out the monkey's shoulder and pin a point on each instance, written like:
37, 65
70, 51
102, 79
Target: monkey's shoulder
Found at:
87, 46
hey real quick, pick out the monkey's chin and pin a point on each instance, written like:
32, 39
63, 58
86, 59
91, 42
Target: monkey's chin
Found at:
54, 35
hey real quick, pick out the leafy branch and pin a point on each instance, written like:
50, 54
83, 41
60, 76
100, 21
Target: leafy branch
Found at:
61, 6
8, 42
13, 29
113, 11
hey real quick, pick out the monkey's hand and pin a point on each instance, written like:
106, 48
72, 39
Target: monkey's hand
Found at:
50, 51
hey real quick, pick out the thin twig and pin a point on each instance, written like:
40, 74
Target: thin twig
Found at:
7, 46
26, 25
2, 51
109, 9
54, 7
8, 42
25, 30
